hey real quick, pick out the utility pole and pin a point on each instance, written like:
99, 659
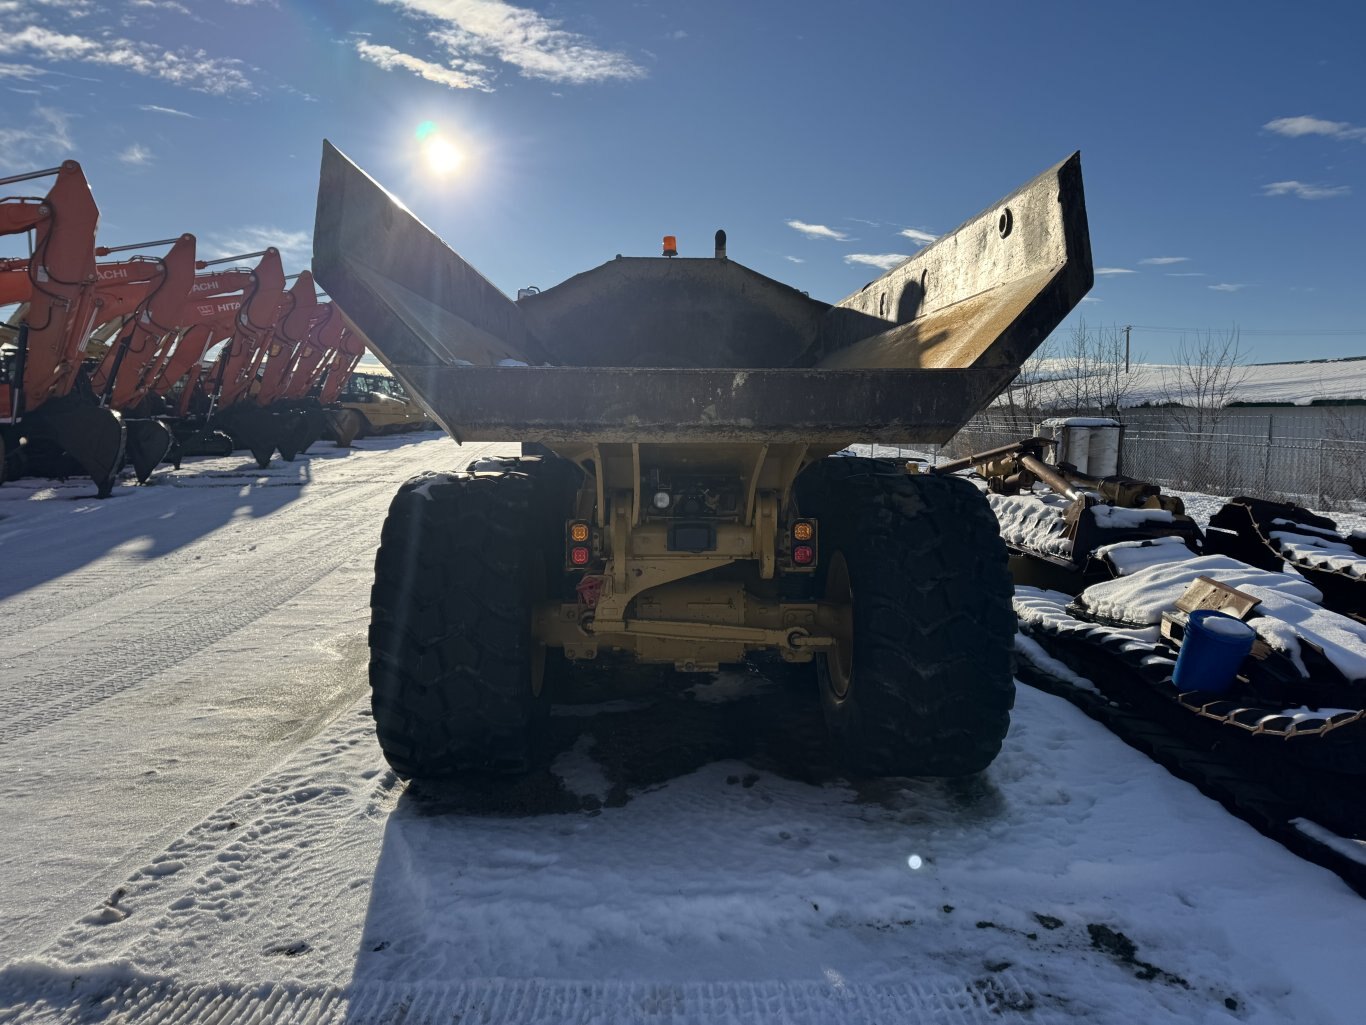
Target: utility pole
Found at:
1127, 329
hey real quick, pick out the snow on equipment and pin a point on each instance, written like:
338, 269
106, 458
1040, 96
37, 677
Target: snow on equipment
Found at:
1060, 521
1276, 534
679, 500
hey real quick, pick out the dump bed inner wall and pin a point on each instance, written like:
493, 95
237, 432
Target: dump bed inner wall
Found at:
679, 312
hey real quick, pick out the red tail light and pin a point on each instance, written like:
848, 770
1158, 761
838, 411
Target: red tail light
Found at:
803, 555
579, 555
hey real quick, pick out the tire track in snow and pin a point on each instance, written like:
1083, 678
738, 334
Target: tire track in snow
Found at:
213, 575
171, 634
109, 576
113, 996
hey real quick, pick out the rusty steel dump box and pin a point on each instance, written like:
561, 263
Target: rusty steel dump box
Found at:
685, 350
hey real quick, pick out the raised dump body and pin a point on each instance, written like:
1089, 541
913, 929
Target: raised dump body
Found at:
685, 507
910, 357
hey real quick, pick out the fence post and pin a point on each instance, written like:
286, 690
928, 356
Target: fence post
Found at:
1323, 492
1266, 460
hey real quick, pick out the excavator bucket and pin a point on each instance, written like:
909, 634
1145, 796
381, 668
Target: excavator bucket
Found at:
253, 428
705, 350
70, 428
149, 442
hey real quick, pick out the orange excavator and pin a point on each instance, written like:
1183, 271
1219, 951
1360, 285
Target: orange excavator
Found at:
225, 391
293, 424
131, 300
48, 414
339, 369
300, 392
122, 377
325, 337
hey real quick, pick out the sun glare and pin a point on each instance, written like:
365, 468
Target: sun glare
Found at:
441, 156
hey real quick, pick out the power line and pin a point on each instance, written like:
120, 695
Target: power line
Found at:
1262, 332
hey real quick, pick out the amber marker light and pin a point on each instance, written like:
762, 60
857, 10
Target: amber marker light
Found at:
803, 530
578, 532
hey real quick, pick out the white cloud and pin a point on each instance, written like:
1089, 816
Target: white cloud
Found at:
1295, 127
915, 235
1114, 270
161, 5
136, 154
296, 247
154, 109
1305, 191
817, 231
51, 135
472, 30
1225, 287
794, 259
1162, 261
883, 261
1187, 274
1091, 299
193, 69
388, 58
25, 71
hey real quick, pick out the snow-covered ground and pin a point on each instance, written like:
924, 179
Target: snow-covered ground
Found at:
199, 826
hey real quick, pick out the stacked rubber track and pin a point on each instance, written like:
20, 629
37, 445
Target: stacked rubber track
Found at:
1257, 532
1302, 788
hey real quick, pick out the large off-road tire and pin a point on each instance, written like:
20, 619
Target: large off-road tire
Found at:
458, 683
922, 683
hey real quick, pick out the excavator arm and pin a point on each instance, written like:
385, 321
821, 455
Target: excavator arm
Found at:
62, 280
291, 329
238, 362
123, 375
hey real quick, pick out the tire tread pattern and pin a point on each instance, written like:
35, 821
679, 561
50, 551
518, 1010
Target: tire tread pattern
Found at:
933, 660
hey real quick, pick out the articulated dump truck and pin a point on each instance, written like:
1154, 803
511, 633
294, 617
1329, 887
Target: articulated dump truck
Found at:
681, 498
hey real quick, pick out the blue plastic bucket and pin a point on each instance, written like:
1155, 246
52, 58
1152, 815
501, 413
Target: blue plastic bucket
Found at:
1211, 652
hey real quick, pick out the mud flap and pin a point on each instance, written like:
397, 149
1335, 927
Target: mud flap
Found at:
91, 435
149, 441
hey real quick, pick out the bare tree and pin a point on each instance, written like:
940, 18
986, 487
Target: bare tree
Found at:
1076, 384
1207, 375
1032, 390
1112, 384
1208, 372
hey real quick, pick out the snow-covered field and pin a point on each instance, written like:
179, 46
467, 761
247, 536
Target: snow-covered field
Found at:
200, 828
1297, 383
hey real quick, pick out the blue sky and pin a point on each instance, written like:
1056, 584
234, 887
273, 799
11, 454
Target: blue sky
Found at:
1223, 145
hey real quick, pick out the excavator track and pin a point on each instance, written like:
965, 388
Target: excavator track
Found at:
1314, 809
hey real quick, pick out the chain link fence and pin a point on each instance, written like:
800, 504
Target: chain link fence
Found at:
1314, 456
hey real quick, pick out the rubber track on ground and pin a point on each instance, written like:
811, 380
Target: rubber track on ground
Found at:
175, 636
1267, 811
